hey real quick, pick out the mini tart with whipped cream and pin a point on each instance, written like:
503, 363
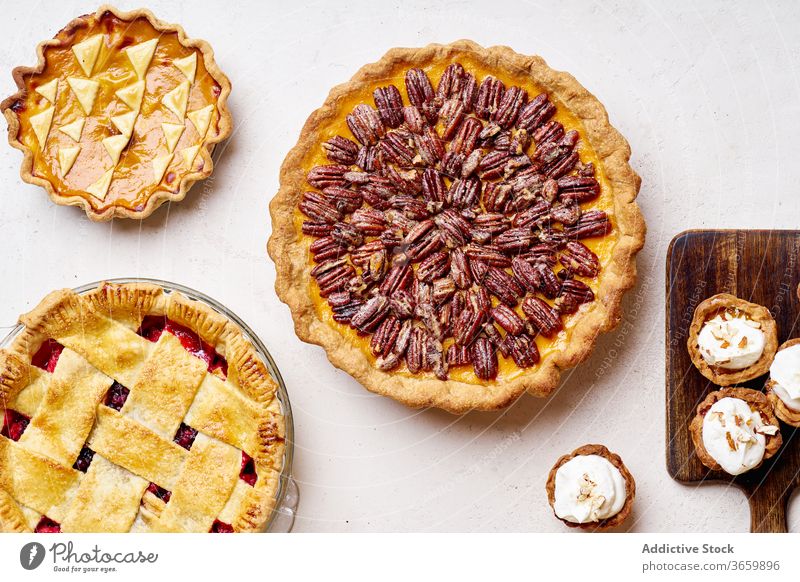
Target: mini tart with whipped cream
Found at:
783, 386
735, 430
120, 115
732, 340
591, 488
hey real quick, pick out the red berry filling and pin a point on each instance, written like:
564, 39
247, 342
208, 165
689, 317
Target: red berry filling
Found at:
47, 356
248, 472
116, 396
47, 525
154, 325
84, 459
14, 424
220, 527
159, 492
185, 436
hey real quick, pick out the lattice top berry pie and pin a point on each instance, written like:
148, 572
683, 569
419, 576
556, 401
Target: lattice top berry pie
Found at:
120, 114
456, 225
132, 409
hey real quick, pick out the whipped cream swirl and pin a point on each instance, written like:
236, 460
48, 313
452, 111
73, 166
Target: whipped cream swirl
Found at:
588, 489
735, 435
731, 341
785, 373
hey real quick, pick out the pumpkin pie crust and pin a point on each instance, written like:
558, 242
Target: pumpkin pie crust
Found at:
120, 114
604, 156
614, 459
757, 401
709, 308
783, 412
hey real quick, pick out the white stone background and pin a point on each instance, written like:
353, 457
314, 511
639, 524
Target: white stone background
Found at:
707, 93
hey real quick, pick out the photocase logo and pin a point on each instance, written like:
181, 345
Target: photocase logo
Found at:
31, 555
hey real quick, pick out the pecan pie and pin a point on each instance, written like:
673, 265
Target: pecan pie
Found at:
591, 488
128, 408
120, 114
732, 340
456, 225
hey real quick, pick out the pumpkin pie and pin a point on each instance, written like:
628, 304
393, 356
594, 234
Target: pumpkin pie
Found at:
732, 340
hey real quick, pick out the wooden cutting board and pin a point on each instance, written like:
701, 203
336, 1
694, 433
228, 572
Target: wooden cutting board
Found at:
762, 266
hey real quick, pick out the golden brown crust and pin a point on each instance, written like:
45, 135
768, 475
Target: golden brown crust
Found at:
756, 400
293, 267
630, 487
160, 196
705, 311
788, 415
63, 310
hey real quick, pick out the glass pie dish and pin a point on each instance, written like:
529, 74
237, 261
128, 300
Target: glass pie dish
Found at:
279, 500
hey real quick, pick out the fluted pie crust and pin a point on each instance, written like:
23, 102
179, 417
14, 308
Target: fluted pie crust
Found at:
76, 165
614, 459
461, 392
757, 401
783, 412
68, 410
705, 311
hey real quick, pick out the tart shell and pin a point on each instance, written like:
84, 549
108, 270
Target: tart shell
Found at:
756, 400
126, 303
759, 313
630, 487
64, 39
293, 266
783, 412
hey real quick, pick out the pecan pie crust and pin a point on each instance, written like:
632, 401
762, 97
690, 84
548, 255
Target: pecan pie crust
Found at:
67, 404
706, 310
756, 400
177, 175
785, 413
614, 459
313, 323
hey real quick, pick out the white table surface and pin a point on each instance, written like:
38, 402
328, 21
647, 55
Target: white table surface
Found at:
708, 95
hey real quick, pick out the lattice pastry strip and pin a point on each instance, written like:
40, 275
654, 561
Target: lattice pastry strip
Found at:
165, 387
110, 487
65, 416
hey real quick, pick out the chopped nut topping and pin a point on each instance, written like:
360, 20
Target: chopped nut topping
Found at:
731, 443
743, 342
767, 429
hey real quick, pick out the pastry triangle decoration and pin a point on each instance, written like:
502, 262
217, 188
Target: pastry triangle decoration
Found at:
201, 119
74, 128
189, 154
132, 95
173, 132
177, 99
87, 51
67, 157
160, 165
187, 66
86, 92
41, 125
114, 146
141, 54
48, 91
124, 123
100, 188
